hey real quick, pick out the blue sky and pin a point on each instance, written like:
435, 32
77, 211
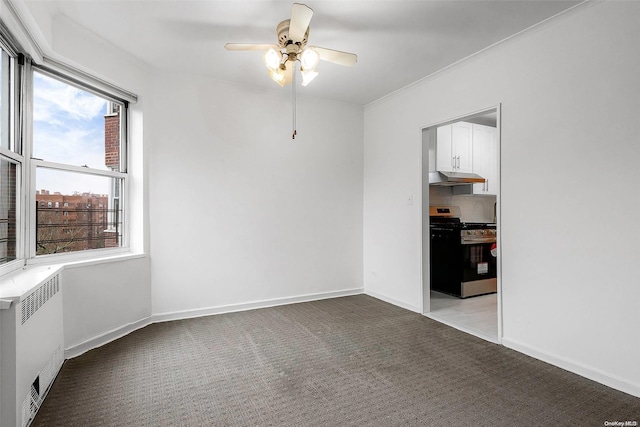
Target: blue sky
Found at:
68, 127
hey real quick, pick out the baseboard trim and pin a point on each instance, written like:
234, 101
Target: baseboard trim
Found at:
105, 338
393, 301
577, 368
112, 335
231, 308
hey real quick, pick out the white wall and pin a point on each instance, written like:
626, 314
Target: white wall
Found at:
570, 150
104, 299
239, 212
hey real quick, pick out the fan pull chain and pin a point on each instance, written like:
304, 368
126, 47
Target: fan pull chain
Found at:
293, 101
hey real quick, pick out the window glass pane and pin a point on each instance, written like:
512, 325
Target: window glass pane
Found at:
73, 126
8, 176
77, 212
4, 99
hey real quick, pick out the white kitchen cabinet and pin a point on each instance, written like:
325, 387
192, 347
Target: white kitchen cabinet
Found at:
485, 158
454, 148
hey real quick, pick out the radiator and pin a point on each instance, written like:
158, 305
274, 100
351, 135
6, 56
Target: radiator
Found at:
32, 346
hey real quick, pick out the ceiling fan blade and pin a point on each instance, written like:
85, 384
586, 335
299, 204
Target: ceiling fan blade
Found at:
336, 56
300, 17
249, 46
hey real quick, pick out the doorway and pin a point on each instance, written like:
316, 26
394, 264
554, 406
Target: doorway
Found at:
479, 315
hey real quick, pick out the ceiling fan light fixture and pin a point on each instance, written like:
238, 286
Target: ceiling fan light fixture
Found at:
309, 59
278, 76
281, 59
307, 76
272, 59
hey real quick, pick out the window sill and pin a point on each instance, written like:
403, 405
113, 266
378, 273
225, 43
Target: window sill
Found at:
103, 260
96, 256
21, 282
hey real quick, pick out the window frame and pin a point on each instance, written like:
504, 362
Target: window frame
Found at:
34, 163
14, 152
19, 260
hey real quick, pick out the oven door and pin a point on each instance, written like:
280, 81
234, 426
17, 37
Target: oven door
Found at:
446, 260
479, 270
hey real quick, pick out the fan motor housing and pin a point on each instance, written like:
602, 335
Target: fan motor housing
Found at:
282, 31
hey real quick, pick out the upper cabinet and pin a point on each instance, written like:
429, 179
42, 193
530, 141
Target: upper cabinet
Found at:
454, 148
471, 148
485, 158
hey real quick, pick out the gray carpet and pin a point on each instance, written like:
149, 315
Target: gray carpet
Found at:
338, 362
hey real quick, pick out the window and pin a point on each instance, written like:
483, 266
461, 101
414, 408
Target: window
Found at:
11, 161
78, 139
63, 163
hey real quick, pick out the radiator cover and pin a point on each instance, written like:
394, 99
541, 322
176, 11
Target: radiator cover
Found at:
32, 347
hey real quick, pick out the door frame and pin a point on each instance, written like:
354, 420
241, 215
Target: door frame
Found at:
427, 135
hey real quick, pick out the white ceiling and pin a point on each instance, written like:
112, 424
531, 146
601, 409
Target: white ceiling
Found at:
397, 41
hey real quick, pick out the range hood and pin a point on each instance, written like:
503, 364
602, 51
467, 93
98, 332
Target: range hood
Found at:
454, 178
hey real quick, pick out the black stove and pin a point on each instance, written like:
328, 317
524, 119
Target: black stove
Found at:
463, 254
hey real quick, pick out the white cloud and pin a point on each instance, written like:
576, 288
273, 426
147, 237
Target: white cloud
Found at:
53, 97
71, 146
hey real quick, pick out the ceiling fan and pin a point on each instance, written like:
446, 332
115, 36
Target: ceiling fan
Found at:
292, 46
